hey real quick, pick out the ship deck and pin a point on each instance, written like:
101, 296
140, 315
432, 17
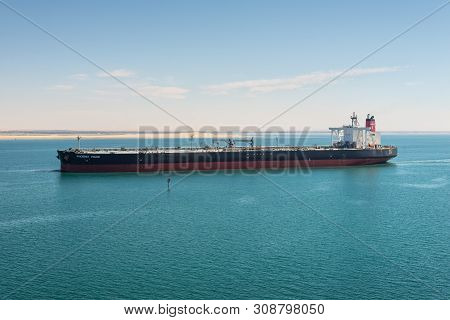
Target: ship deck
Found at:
214, 149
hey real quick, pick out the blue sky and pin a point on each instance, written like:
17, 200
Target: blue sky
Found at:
223, 63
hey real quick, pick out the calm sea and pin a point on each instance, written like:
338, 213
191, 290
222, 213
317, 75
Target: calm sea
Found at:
378, 232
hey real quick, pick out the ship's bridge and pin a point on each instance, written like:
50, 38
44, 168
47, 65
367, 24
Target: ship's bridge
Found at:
353, 136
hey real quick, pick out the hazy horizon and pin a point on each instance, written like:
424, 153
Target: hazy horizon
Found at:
50, 132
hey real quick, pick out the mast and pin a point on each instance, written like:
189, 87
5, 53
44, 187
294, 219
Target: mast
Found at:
354, 118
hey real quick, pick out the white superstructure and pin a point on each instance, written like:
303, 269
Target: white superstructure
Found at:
353, 136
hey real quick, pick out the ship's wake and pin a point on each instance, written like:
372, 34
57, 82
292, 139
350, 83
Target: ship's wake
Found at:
28, 170
433, 184
423, 162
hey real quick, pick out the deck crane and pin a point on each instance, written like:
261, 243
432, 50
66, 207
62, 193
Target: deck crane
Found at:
232, 142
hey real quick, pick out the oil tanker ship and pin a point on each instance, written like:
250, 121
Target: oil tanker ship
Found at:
351, 145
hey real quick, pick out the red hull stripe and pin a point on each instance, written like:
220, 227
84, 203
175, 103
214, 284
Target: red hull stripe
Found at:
204, 166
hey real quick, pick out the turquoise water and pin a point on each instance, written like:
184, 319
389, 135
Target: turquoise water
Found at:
379, 232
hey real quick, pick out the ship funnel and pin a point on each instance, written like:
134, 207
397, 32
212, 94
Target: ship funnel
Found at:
370, 123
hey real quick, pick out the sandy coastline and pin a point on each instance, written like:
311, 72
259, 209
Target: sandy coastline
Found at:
86, 136
72, 136
135, 135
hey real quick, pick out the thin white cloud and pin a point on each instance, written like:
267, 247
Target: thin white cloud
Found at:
169, 92
270, 85
152, 91
413, 83
79, 76
104, 92
118, 73
62, 87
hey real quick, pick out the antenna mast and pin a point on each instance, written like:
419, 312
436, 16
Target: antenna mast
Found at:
354, 118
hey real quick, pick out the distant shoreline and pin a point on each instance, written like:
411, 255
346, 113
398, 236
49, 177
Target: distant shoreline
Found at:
71, 135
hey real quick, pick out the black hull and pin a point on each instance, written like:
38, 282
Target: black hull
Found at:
172, 160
